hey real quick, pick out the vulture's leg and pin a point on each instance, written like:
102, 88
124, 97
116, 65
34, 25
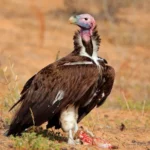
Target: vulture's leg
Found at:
68, 119
70, 138
71, 135
76, 118
76, 128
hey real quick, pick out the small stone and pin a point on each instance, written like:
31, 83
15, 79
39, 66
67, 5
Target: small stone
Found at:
10, 146
122, 127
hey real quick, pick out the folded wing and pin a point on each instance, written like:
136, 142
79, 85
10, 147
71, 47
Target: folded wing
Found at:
51, 90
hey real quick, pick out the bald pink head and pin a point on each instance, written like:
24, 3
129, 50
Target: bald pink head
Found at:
86, 22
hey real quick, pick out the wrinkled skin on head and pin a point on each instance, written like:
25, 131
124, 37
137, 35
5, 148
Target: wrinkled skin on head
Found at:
86, 22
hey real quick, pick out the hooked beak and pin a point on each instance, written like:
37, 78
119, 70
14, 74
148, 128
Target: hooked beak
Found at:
73, 20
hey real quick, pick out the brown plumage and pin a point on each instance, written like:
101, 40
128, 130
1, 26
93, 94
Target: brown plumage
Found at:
76, 84
43, 90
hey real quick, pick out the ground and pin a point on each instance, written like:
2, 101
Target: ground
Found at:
34, 34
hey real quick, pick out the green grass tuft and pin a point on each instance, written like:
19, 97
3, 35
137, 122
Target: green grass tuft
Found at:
34, 141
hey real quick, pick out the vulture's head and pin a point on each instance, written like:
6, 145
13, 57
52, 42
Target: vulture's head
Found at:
85, 21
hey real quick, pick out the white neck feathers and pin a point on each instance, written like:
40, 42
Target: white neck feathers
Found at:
83, 52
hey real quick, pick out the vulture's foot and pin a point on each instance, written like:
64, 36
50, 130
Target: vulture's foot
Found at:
71, 141
74, 142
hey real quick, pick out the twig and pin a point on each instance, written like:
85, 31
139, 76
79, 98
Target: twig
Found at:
5, 77
143, 108
57, 55
127, 104
32, 115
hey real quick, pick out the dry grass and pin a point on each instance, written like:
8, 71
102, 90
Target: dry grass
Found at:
31, 38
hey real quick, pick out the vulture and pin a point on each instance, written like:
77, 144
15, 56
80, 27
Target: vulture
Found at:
64, 92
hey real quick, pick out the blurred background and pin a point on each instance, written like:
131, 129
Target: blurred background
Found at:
34, 32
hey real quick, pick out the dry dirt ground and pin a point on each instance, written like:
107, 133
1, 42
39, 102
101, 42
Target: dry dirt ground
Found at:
33, 33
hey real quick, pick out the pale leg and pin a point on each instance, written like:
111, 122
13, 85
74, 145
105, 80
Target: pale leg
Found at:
70, 138
68, 119
75, 128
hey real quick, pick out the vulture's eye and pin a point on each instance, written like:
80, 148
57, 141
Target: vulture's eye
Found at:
86, 18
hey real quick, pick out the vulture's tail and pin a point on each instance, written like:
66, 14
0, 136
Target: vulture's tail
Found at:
21, 121
16, 129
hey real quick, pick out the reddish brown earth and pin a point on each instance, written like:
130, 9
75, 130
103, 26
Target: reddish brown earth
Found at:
31, 36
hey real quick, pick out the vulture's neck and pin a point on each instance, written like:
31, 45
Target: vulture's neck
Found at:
86, 44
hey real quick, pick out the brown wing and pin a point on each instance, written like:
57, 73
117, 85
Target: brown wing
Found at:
107, 84
104, 88
39, 98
